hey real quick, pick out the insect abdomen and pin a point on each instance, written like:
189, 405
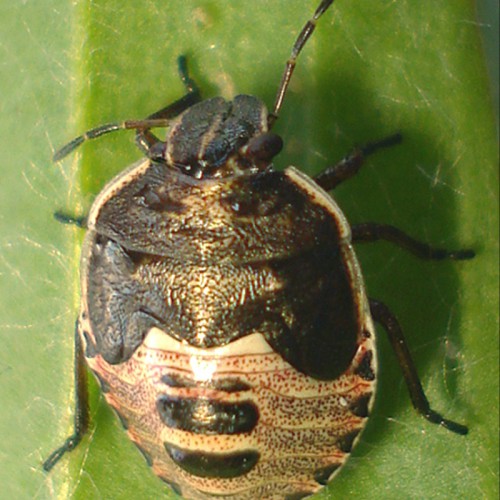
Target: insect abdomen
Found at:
236, 420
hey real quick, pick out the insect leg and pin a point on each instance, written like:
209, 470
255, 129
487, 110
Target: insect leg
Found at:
81, 417
349, 166
148, 142
64, 218
382, 315
145, 140
371, 231
191, 97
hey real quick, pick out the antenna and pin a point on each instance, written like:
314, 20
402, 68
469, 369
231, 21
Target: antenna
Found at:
301, 40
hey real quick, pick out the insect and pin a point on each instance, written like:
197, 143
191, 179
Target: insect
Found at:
223, 309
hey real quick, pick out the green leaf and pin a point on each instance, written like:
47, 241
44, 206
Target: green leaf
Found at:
372, 68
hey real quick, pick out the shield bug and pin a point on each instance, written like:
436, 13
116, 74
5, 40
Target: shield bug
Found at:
222, 305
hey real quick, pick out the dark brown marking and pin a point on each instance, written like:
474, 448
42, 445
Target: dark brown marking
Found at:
158, 199
263, 196
360, 407
346, 441
320, 300
321, 476
208, 417
217, 465
178, 381
225, 385
365, 370
228, 385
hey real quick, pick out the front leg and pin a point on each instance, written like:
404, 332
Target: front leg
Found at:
349, 166
145, 140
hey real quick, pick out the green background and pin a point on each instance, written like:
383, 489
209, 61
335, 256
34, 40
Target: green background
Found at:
372, 68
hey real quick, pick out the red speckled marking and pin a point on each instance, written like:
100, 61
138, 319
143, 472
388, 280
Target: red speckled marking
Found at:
304, 424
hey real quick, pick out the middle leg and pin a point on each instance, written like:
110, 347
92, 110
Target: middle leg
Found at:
370, 232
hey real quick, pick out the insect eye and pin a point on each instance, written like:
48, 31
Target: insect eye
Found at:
263, 147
